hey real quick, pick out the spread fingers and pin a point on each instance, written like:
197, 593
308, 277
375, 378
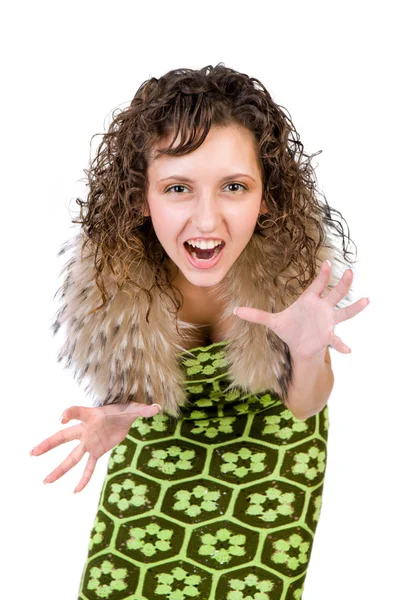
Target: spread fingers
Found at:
72, 459
87, 474
62, 436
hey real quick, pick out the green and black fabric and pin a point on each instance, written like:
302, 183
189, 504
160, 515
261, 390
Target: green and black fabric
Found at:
222, 504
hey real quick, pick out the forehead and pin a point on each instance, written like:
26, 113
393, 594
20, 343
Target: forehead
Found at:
223, 145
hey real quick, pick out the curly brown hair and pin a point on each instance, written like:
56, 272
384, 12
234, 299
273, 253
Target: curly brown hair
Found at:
188, 102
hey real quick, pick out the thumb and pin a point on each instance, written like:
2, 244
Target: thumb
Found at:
150, 410
74, 412
255, 315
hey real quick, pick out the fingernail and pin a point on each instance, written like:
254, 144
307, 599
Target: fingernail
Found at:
44, 481
329, 263
61, 418
159, 406
234, 310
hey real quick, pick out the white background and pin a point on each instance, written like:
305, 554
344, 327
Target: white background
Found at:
65, 67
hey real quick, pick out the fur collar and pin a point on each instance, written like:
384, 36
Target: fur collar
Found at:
127, 359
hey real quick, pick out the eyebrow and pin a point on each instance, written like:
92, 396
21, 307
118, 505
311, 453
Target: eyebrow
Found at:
188, 180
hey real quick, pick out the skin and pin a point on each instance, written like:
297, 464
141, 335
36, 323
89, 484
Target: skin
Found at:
206, 206
209, 205
212, 204
308, 327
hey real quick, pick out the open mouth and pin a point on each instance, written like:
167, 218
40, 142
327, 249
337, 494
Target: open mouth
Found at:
204, 258
206, 254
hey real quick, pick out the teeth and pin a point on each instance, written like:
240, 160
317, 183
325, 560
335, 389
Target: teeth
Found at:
203, 244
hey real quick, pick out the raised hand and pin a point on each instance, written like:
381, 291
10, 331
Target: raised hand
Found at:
307, 326
101, 429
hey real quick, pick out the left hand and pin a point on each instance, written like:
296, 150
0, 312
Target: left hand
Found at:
307, 326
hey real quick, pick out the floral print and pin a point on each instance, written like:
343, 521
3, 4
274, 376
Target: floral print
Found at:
283, 425
220, 504
284, 547
223, 545
136, 494
309, 463
242, 462
104, 580
198, 500
197, 365
139, 535
283, 504
158, 424
240, 589
98, 530
212, 427
177, 585
118, 455
171, 459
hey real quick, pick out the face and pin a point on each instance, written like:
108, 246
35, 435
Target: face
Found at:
215, 193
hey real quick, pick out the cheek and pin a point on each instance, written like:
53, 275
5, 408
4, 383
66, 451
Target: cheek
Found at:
245, 222
166, 225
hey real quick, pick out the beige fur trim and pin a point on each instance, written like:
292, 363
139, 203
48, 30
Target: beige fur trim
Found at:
126, 359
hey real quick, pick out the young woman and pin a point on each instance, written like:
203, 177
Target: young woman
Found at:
200, 299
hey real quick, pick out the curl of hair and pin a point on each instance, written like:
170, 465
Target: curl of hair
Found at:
188, 102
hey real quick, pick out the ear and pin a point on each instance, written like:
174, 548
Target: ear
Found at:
263, 208
145, 210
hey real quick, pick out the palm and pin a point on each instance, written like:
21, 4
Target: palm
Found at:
307, 326
101, 429
100, 434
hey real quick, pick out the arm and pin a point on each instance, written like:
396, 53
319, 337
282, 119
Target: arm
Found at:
311, 385
308, 327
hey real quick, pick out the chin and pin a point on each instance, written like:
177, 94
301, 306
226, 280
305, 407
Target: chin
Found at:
201, 277
205, 281
206, 277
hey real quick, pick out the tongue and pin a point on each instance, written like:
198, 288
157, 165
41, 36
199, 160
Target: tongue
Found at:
204, 253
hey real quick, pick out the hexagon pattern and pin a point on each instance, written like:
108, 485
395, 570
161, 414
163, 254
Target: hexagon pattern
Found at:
222, 504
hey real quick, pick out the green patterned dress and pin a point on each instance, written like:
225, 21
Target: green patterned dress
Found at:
222, 504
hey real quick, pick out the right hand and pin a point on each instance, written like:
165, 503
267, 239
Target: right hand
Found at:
102, 428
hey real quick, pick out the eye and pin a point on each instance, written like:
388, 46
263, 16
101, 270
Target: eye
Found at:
167, 191
240, 184
171, 187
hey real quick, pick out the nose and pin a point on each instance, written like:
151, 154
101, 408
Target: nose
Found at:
207, 214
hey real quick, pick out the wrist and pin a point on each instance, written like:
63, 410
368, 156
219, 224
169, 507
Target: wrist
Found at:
312, 360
